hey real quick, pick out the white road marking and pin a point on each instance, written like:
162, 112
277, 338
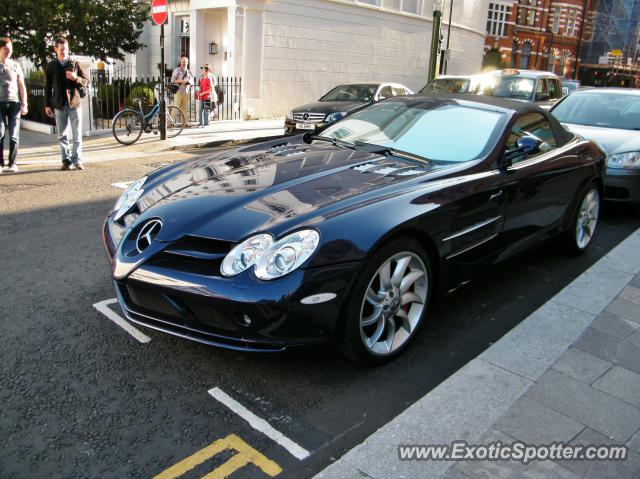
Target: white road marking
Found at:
124, 185
260, 424
103, 308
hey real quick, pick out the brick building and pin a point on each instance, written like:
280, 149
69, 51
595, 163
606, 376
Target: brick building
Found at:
540, 34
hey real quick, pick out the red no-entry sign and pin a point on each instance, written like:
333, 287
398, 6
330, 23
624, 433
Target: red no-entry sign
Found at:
159, 11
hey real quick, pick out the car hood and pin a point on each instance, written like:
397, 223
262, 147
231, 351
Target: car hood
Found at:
233, 194
613, 140
327, 107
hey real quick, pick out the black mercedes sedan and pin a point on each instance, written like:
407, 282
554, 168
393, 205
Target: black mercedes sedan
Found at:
339, 103
349, 234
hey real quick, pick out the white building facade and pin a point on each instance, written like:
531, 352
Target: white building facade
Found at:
290, 52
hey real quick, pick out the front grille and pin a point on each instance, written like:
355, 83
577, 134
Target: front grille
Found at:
207, 315
616, 193
313, 117
151, 301
193, 254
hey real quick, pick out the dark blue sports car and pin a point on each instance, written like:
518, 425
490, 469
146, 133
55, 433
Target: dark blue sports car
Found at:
349, 233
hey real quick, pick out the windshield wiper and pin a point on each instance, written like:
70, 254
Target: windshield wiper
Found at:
387, 151
334, 141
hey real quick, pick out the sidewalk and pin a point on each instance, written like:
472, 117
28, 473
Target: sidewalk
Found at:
40, 148
568, 373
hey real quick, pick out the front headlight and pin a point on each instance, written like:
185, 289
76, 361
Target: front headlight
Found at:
245, 254
339, 115
630, 160
128, 198
290, 115
287, 254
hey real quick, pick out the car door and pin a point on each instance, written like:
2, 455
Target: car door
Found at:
539, 187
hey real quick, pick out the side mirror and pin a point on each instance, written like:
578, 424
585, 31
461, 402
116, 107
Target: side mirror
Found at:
527, 145
542, 97
381, 97
307, 137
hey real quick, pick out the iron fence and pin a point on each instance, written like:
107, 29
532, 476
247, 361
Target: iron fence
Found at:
111, 91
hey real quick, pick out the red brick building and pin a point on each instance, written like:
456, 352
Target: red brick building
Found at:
540, 34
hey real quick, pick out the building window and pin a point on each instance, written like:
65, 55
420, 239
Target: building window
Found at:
411, 6
572, 23
497, 19
526, 16
524, 55
556, 20
563, 64
514, 50
375, 3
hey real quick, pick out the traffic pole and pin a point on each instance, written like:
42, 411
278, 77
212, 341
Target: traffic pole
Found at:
163, 103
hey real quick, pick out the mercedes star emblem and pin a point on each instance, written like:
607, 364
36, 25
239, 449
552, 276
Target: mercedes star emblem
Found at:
147, 234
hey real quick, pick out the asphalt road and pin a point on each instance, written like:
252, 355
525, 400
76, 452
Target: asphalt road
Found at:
83, 399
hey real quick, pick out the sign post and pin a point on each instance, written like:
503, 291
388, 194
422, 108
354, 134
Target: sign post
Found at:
159, 17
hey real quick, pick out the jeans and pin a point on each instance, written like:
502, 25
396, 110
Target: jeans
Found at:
9, 120
65, 117
203, 114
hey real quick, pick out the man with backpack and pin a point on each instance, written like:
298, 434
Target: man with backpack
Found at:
182, 78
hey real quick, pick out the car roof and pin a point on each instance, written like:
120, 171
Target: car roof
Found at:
453, 77
482, 101
612, 90
522, 73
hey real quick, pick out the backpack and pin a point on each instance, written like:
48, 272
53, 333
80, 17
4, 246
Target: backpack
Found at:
220, 94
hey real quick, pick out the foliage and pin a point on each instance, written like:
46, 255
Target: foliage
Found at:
143, 92
493, 60
98, 28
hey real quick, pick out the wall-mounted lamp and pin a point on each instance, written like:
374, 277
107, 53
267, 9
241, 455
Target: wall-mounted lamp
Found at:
213, 48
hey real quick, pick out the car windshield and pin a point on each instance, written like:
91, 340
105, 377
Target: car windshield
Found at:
362, 93
512, 86
571, 86
447, 85
444, 131
607, 110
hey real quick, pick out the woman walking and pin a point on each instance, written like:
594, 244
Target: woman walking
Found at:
206, 95
13, 102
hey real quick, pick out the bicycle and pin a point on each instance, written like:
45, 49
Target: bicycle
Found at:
128, 124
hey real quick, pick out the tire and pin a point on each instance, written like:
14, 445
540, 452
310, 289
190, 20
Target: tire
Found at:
127, 126
584, 221
377, 326
175, 121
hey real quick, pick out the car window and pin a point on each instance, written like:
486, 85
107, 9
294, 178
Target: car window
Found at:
446, 132
398, 91
541, 87
360, 92
535, 125
508, 86
447, 85
386, 92
608, 110
554, 88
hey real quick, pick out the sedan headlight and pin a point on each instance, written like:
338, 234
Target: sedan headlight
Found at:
128, 198
245, 254
287, 254
630, 160
290, 115
339, 115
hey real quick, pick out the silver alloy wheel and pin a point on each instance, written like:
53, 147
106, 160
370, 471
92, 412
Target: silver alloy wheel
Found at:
587, 218
393, 304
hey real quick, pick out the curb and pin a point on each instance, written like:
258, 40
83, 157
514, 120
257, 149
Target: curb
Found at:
469, 402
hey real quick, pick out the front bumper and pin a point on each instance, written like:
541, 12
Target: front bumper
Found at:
622, 185
242, 312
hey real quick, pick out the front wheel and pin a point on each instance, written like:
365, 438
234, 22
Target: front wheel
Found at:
175, 121
585, 220
127, 126
388, 303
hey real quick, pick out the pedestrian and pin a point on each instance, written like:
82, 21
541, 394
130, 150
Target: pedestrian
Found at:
13, 103
64, 89
206, 95
183, 79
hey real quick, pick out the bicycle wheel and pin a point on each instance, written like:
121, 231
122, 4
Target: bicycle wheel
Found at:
175, 121
127, 126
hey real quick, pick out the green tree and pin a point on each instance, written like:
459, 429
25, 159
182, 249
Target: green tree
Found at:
98, 28
493, 60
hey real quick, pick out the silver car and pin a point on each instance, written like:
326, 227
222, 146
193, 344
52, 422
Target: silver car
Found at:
611, 117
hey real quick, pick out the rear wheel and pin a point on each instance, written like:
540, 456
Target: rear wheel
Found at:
127, 126
388, 303
585, 220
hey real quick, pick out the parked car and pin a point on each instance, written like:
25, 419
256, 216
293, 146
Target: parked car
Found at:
338, 103
452, 84
569, 86
348, 234
533, 86
611, 117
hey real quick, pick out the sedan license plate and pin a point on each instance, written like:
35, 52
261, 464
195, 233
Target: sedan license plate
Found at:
305, 126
